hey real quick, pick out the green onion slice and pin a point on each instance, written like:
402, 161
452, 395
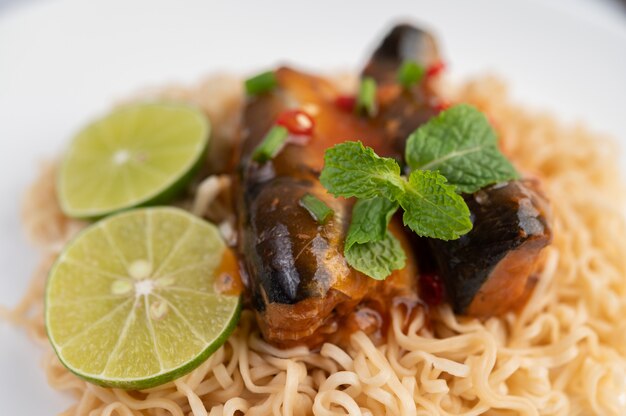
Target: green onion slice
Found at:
410, 73
366, 99
317, 208
272, 143
261, 83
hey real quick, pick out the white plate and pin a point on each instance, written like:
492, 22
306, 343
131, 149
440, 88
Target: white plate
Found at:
64, 61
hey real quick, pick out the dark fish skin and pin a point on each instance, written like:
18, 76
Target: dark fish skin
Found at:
403, 42
487, 271
402, 110
300, 284
293, 256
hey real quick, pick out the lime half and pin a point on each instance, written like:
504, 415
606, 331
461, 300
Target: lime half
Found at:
141, 298
137, 155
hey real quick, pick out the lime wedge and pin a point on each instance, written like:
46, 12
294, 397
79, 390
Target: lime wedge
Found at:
141, 298
142, 154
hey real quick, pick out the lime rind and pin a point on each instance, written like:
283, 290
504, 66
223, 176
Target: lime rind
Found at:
185, 368
229, 307
102, 177
167, 376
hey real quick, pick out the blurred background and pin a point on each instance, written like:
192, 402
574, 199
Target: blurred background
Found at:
63, 62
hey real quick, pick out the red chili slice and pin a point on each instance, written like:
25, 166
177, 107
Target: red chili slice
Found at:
431, 289
441, 106
346, 102
296, 122
435, 69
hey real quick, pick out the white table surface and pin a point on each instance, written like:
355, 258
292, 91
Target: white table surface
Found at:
64, 61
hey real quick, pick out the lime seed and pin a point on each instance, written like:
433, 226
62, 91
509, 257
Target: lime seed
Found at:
158, 309
121, 287
140, 269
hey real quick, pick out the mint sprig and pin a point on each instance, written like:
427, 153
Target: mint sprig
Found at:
455, 152
432, 207
460, 144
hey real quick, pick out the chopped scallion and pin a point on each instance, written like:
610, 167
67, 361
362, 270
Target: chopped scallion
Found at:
271, 144
261, 83
317, 208
410, 73
366, 99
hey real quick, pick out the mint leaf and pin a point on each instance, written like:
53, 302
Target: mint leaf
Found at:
460, 144
370, 218
432, 208
351, 169
377, 259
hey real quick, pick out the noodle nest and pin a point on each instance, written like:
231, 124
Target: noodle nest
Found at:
563, 354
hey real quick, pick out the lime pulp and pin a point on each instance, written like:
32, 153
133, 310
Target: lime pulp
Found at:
141, 154
135, 300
